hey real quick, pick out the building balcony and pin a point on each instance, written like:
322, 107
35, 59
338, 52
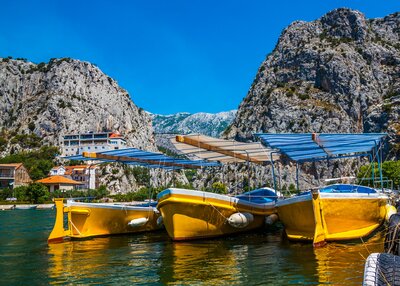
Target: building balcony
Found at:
71, 137
6, 176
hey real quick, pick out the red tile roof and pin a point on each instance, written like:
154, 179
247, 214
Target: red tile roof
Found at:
115, 135
54, 180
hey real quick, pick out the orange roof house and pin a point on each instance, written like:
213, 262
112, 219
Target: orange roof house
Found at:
58, 182
69, 170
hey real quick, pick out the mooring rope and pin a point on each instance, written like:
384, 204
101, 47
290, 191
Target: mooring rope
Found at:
218, 211
70, 221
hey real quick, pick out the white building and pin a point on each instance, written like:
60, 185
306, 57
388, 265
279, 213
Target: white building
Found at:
86, 175
58, 170
75, 144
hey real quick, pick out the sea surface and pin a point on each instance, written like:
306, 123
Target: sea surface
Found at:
261, 258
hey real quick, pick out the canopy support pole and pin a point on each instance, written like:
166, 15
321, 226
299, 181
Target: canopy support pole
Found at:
379, 165
248, 170
297, 176
371, 159
273, 170
173, 177
279, 177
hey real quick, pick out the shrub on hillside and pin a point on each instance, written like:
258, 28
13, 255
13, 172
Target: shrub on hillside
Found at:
390, 171
219, 188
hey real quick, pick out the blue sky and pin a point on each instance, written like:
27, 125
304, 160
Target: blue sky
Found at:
171, 56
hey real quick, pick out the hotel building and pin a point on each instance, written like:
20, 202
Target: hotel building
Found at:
75, 144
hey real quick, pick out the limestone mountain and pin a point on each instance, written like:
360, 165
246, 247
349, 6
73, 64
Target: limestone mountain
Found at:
212, 124
67, 96
340, 73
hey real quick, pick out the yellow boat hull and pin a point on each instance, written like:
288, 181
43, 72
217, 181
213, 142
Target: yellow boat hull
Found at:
332, 216
193, 214
90, 220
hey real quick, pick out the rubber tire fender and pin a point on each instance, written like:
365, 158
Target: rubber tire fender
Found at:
382, 269
392, 236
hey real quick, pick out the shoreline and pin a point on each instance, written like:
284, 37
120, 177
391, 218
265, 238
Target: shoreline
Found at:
35, 206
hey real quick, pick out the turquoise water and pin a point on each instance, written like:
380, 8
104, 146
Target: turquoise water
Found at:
262, 258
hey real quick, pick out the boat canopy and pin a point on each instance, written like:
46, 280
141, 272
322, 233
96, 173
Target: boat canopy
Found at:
307, 147
224, 151
137, 157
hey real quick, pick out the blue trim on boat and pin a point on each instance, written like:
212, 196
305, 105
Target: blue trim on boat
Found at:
343, 189
259, 196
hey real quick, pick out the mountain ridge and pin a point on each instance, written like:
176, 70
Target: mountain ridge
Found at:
212, 124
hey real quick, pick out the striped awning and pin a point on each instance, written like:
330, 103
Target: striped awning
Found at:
221, 150
137, 157
313, 146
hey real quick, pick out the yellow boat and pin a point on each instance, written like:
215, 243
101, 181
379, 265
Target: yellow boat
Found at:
100, 219
189, 214
336, 212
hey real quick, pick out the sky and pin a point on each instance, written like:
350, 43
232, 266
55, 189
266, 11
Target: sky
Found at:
171, 56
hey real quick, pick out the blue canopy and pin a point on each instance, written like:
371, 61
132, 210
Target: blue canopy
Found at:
137, 157
312, 146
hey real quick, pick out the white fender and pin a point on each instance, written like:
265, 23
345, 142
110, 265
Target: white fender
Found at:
138, 222
160, 221
240, 220
390, 210
271, 219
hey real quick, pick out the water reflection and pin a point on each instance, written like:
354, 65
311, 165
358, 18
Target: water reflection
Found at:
119, 259
198, 262
344, 263
262, 258
256, 259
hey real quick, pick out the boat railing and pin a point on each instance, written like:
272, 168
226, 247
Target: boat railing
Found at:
373, 183
377, 187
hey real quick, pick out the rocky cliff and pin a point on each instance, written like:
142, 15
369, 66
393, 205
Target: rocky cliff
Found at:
339, 73
67, 96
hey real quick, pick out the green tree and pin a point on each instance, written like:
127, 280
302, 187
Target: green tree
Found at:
140, 195
99, 193
292, 188
6, 193
21, 193
74, 162
142, 175
102, 192
37, 193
